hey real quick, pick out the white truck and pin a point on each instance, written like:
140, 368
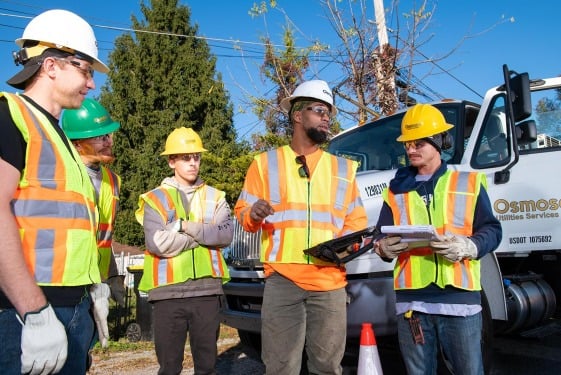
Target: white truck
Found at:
514, 137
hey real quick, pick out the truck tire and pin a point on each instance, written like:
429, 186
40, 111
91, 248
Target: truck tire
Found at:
487, 339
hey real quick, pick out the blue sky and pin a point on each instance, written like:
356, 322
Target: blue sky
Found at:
522, 34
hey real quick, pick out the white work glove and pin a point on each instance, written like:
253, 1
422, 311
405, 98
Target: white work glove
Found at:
44, 345
100, 294
390, 247
117, 286
455, 248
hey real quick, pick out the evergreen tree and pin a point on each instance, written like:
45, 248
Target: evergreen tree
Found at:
163, 77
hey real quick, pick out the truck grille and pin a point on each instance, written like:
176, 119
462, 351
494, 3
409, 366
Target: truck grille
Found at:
243, 252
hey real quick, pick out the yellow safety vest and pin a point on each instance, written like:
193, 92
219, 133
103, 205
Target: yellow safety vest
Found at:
107, 204
191, 264
54, 204
308, 211
451, 212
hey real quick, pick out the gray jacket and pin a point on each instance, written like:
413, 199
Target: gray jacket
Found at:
164, 241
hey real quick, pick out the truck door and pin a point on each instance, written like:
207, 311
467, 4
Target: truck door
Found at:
528, 203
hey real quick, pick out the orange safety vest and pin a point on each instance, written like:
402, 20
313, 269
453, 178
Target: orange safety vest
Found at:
191, 264
54, 204
107, 204
451, 213
308, 211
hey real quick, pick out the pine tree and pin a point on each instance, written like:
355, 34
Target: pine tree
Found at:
162, 77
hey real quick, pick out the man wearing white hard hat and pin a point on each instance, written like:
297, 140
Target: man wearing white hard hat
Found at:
48, 220
300, 196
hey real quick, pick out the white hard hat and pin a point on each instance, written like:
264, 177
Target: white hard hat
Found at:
66, 31
314, 89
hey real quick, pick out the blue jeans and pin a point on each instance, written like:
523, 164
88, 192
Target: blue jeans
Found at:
459, 337
293, 317
79, 326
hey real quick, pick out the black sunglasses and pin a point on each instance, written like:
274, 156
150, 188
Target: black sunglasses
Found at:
303, 171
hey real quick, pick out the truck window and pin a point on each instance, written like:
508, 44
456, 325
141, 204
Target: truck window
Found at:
492, 148
547, 115
374, 144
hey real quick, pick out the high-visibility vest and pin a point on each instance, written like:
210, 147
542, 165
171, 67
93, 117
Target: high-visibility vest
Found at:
451, 212
192, 264
108, 201
308, 211
54, 204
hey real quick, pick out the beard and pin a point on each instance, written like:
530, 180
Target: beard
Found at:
318, 136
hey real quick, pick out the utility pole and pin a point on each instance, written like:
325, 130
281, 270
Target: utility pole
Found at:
384, 61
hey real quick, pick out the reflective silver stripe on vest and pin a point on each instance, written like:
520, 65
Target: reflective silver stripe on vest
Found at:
47, 158
461, 199
209, 204
104, 235
114, 180
44, 254
162, 271
162, 198
400, 201
274, 177
215, 261
343, 168
46, 209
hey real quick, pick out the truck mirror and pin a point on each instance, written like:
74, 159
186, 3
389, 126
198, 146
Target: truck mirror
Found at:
520, 96
526, 132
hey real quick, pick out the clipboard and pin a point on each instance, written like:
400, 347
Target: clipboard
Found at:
414, 235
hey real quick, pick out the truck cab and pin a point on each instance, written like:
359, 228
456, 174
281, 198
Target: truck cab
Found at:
514, 137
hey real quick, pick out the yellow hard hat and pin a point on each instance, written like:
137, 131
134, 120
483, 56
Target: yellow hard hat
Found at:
183, 141
422, 121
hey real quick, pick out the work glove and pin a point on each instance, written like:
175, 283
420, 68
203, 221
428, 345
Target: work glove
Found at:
117, 287
100, 294
390, 247
43, 342
455, 248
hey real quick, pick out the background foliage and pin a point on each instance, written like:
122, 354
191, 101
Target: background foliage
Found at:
163, 77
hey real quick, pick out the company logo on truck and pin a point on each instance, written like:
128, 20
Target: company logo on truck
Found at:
527, 210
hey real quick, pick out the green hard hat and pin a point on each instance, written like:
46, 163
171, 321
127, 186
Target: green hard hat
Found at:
90, 120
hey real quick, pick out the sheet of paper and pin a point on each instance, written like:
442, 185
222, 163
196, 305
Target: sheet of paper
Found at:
415, 235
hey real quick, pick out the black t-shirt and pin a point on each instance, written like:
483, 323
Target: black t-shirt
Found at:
12, 144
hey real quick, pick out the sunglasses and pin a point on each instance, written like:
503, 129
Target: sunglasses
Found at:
321, 111
415, 144
303, 171
88, 72
102, 138
188, 157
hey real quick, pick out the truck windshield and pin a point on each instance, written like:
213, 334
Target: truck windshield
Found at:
374, 145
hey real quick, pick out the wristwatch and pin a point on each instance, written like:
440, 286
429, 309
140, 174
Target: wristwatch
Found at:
178, 226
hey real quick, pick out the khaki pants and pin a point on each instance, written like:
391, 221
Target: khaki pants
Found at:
294, 318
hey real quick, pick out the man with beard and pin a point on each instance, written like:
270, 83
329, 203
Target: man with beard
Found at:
90, 128
299, 196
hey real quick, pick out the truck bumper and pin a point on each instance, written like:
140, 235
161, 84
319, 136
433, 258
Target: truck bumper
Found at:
370, 299
242, 307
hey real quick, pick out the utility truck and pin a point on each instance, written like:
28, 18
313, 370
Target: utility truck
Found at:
514, 137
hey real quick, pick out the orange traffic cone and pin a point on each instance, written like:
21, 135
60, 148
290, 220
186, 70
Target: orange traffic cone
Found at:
368, 357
